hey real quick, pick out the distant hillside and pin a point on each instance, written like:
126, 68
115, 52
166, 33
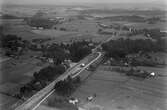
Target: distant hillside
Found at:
7, 16
124, 11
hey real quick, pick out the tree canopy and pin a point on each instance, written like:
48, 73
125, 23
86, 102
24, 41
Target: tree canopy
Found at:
121, 47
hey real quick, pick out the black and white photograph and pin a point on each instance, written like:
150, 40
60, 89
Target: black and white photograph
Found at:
83, 54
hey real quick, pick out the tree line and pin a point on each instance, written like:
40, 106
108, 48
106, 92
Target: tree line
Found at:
67, 86
122, 47
13, 44
74, 51
41, 79
59, 52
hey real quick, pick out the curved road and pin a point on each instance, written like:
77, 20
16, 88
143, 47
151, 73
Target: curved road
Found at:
33, 102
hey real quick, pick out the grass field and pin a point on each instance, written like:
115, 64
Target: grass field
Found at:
22, 30
118, 92
114, 91
6, 102
137, 25
75, 30
14, 74
159, 25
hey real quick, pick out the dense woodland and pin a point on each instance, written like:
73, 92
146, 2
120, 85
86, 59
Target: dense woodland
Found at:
74, 51
13, 45
41, 79
122, 47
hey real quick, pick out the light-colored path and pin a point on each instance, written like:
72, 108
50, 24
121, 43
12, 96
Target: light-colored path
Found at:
33, 102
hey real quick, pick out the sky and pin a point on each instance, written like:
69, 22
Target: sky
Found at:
70, 1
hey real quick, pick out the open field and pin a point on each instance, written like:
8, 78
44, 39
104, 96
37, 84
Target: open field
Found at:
18, 73
160, 25
137, 25
69, 38
14, 74
74, 28
80, 25
77, 29
6, 101
20, 29
30, 10
116, 12
116, 91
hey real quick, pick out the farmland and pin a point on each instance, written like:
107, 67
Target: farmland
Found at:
77, 23
117, 91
